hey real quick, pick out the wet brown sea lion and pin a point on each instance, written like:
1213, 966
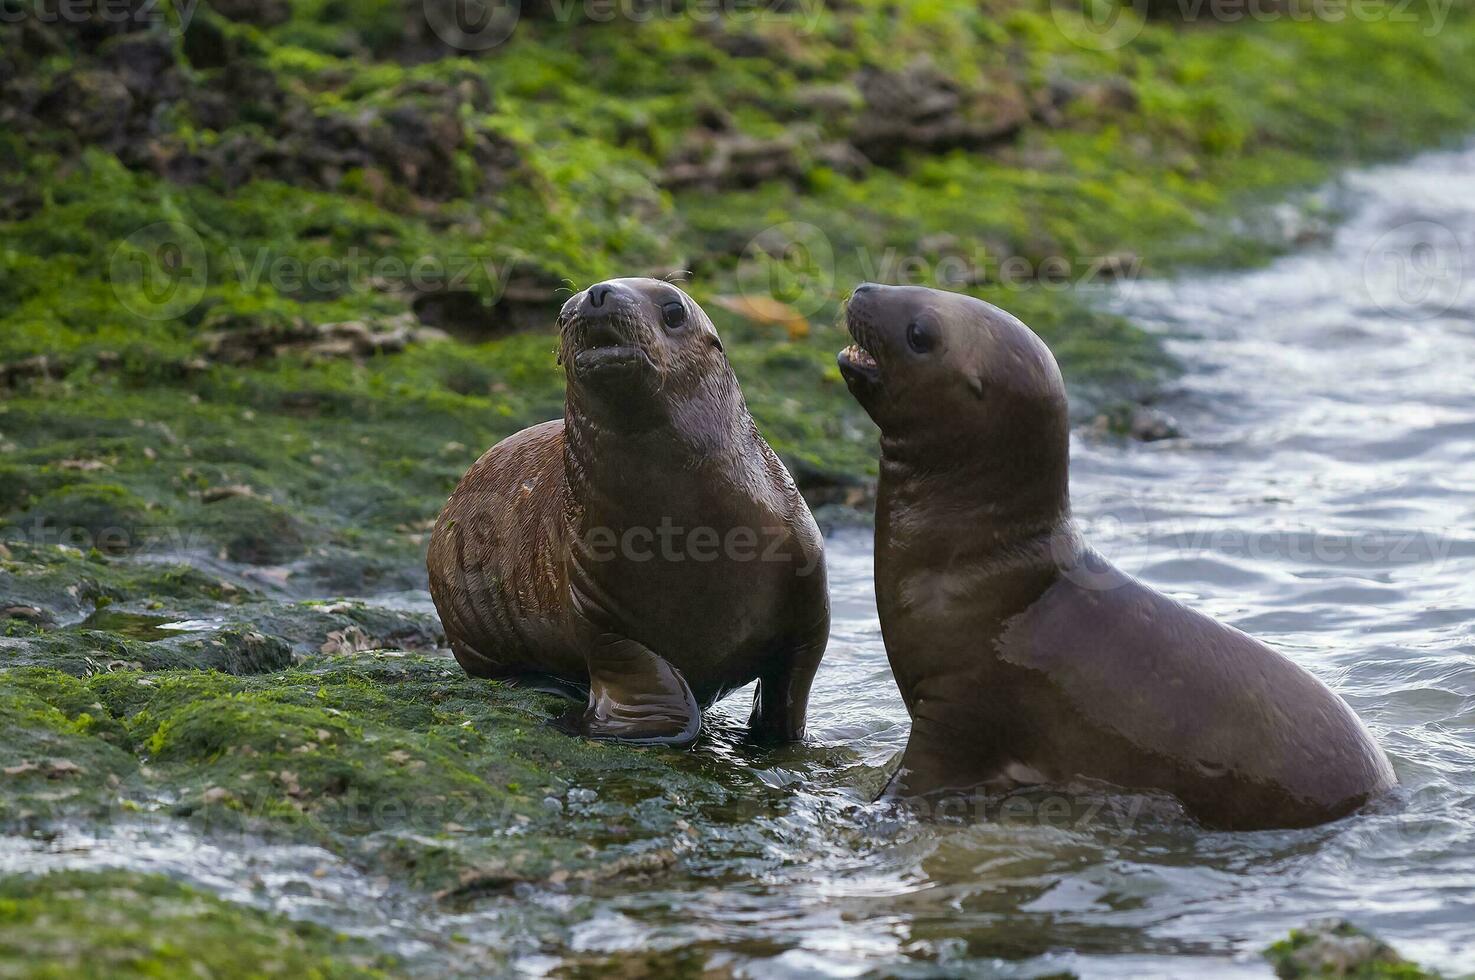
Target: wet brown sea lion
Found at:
649, 546
1022, 655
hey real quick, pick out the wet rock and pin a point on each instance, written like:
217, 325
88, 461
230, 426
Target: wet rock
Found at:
127, 93
829, 100
206, 45
462, 87
842, 158
236, 339
235, 650
49, 768
692, 962
1151, 425
28, 614
1135, 421
921, 108
743, 44
416, 142
211, 495
85, 26
32, 39
247, 93
253, 531
528, 300
350, 640
143, 62
713, 160
93, 105
1297, 225
30, 369
826, 488
108, 518
346, 627
1337, 948
115, 923
1097, 99
239, 650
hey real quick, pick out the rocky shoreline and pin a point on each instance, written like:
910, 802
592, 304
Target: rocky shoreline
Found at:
274, 275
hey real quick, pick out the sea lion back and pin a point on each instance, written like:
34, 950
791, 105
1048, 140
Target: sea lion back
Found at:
496, 560
1243, 735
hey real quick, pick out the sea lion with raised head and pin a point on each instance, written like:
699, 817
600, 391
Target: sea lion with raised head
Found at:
648, 547
1022, 655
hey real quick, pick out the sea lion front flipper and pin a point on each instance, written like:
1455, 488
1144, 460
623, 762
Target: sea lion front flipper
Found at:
781, 703
636, 696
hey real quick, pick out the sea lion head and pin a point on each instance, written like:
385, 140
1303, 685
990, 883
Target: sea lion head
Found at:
957, 383
627, 342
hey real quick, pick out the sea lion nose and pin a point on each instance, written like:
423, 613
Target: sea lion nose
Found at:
606, 297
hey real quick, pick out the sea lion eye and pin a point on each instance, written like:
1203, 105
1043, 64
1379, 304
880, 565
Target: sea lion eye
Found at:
920, 336
673, 315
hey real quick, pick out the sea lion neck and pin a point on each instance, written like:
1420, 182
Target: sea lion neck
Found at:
1008, 498
685, 429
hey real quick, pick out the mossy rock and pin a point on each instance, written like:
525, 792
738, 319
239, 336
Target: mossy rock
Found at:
1337, 948
69, 585
398, 761
81, 652
90, 515
56, 757
122, 924
252, 531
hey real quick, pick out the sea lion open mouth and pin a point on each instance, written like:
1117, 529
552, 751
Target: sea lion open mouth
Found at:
606, 342
611, 356
857, 363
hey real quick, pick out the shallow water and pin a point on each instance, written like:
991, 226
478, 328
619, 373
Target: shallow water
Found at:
1320, 499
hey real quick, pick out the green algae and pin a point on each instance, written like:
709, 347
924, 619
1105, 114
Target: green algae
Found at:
153, 476
1139, 156
121, 924
398, 761
56, 755
1336, 948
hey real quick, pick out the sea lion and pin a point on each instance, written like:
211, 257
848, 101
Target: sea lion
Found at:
1022, 655
649, 546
